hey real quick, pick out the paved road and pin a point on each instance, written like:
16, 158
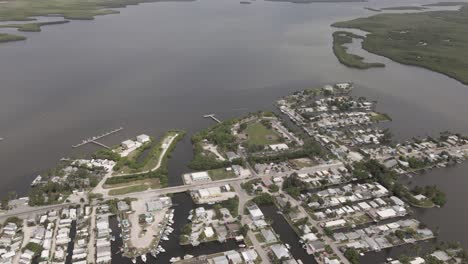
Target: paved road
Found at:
243, 199
26, 211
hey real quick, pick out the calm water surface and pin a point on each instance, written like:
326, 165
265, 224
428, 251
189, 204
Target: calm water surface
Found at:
160, 66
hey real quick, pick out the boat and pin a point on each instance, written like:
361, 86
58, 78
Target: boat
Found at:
287, 246
143, 258
188, 256
134, 260
174, 259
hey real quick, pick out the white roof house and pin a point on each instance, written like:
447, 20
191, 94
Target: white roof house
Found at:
280, 251
418, 260
143, 138
220, 260
249, 255
209, 232
255, 212
278, 147
200, 176
128, 144
234, 257
339, 222
386, 213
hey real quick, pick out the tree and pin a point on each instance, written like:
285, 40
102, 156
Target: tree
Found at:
263, 199
352, 255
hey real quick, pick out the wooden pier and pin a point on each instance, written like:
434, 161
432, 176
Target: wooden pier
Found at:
93, 139
212, 116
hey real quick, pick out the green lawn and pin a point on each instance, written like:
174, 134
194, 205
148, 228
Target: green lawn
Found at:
129, 189
258, 134
436, 40
220, 174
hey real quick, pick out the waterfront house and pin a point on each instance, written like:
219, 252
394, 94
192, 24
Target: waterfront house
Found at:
143, 138
128, 144
255, 212
201, 176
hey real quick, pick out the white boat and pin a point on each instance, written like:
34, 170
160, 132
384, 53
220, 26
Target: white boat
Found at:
174, 259
134, 260
143, 258
188, 256
162, 249
288, 246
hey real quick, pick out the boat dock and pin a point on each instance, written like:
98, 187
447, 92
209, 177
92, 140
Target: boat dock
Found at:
93, 139
212, 116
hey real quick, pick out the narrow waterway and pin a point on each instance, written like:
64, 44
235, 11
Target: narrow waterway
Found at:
286, 234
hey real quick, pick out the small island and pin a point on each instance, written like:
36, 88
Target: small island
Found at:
340, 38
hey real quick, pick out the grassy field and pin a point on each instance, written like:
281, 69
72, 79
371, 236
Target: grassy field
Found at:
129, 189
258, 134
340, 38
220, 174
436, 40
153, 183
32, 27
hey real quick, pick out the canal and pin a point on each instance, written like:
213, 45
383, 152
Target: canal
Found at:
286, 233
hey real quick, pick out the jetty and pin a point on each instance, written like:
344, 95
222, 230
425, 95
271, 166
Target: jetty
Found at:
212, 116
93, 139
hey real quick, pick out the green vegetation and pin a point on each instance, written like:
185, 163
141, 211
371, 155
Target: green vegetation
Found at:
16, 220
380, 117
389, 180
261, 134
9, 37
34, 247
221, 173
432, 193
340, 38
435, 40
106, 154
232, 204
136, 161
33, 27
24, 10
249, 186
54, 192
160, 173
273, 188
311, 149
352, 255
129, 189
263, 199
293, 186
219, 135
